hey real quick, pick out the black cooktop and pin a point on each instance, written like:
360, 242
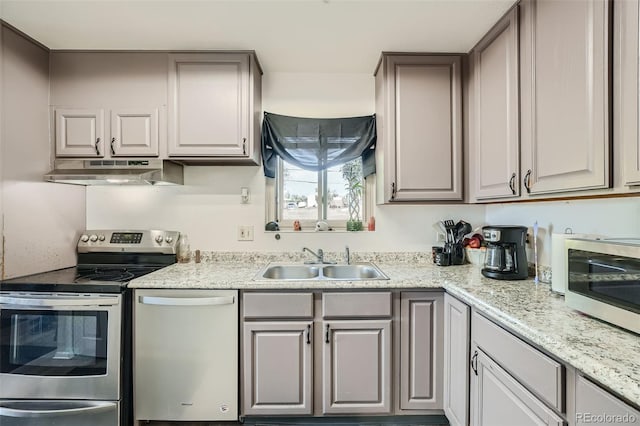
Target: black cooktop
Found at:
82, 278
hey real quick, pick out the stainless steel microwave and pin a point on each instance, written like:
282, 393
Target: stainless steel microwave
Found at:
603, 280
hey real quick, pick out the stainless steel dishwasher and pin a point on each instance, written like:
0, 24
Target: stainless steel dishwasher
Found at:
185, 364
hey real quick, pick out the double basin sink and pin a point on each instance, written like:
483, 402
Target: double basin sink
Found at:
297, 272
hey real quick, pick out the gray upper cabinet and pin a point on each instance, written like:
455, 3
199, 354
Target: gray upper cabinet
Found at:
419, 123
134, 133
456, 361
356, 367
495, 112
213, 105
79, 132
278, 368
421, 330
108, 104
564, 63
499, 400
627, 88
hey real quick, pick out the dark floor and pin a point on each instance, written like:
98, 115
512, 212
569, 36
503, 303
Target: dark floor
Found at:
315, 421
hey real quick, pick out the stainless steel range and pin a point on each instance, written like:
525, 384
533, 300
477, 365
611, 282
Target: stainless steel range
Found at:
65, 335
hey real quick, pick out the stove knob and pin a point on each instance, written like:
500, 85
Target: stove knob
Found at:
93, 238
159, 239
168, 239
101, 237
84, 238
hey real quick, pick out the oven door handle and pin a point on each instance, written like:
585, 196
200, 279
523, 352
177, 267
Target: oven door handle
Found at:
37, 409
38, 302
186, 301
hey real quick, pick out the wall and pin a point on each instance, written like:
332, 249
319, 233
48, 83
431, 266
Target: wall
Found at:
613, 217
41, 220
208, 207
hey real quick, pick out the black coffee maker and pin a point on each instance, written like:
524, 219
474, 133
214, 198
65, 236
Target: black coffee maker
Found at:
506, 257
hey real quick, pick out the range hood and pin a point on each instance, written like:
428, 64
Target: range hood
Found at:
116, 172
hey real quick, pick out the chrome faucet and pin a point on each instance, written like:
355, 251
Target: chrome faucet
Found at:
319, 256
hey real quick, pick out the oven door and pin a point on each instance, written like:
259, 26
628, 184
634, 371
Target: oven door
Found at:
67, 413
60, 346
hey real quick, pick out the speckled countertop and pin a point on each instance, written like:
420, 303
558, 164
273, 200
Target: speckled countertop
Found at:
605, 353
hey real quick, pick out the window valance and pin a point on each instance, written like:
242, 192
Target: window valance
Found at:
318, 143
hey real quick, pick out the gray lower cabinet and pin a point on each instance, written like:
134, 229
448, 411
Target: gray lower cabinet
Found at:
356, 366
499, 400
278, 368
597, 406
421, 355
456, 360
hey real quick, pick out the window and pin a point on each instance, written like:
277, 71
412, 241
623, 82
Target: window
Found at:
319, 167
335, 195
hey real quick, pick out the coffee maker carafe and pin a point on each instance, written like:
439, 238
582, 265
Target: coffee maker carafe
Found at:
505, 257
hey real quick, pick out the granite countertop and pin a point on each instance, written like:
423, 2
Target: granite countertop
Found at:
605, 353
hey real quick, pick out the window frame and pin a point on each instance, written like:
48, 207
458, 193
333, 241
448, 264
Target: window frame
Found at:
275, 202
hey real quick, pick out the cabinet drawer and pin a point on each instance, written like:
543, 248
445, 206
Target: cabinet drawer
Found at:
353, 305
277, 305
538, 372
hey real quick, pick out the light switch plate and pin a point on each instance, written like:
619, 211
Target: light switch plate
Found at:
245, 233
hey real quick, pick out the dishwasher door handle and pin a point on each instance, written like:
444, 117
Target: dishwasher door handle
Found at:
186, 301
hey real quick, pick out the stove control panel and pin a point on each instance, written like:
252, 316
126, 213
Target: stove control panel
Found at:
134, 241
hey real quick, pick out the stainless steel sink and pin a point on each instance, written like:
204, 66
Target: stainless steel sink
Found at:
291, 272
296, 272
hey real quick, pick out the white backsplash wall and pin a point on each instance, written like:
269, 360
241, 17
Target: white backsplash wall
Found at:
611, 217
208, 209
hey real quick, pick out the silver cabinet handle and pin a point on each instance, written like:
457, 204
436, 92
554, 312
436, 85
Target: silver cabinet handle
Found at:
43, 303
34, 411
186, 301
244, 146
393, 191
113, 150
97, 148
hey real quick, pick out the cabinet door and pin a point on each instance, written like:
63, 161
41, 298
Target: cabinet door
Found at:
456, 361
627, 88
79, 132
421, 351
209, 108
595, 405
423, 128
565, 95
499, 400
134, 132
277, 362
356, 367
495, 112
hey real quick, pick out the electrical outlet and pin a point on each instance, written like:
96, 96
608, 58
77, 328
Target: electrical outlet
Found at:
440, 237
245, 233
